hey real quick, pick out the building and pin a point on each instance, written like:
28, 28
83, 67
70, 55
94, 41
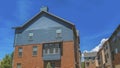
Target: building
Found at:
90, 60
46, 40
104, 56
114, 42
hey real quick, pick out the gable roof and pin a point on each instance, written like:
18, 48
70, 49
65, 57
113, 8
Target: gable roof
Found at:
43, 12
54, 16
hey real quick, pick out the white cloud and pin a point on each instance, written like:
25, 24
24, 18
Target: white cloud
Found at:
96, 49
82, 58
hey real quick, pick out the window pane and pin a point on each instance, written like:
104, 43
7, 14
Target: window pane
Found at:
51, 50
34, 50
46, 51
34, 53
58, 31
30, 34
56, 50
20, 49
20, 52
18, 65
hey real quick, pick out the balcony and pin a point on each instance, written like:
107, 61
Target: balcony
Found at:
52, 56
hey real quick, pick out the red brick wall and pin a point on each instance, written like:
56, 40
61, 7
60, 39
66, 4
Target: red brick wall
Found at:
68, 58
92, 64
29, 61
116, 59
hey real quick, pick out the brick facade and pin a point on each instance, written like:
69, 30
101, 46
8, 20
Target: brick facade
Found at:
29, 61
92, 64
116, 60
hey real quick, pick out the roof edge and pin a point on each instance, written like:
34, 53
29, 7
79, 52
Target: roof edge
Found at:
41, 12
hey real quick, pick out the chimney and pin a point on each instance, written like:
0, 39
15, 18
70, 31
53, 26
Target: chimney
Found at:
44, 8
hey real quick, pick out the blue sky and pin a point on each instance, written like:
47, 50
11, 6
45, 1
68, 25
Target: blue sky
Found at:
95, 19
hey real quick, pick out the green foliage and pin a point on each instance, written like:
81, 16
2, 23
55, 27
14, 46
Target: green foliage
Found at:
7, 61
83, 64
49, 65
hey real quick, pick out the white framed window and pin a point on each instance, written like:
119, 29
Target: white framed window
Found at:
35, 50
58, 33
20, 51
30, 36
19, 65
56, 51
51, 48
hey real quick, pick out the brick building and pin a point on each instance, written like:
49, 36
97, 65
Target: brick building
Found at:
46, 40
90, 60
114, 42
104, 56
109, 54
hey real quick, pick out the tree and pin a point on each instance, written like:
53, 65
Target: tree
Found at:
49, 65
83, 64
7, 61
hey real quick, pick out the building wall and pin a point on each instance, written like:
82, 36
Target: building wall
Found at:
114, 43
104, 53
68, 58
90, 60
29, 61
116, 59
44, 30
108, 64
96, 63
103, 56
92, 64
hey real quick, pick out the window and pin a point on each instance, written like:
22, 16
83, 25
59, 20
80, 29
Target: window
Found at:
106, 58
51, 48
106, 46
107, 55
34, 50
86, 58
58, 33
30, 36
116, 50
56, 50
87, 64
46, 51
93, 58
112, 53
19, 65
20, 52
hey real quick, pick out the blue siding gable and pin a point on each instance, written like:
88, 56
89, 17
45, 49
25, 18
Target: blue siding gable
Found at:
44, 30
